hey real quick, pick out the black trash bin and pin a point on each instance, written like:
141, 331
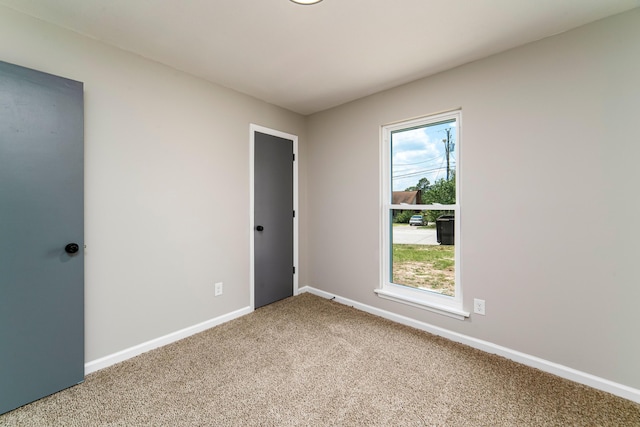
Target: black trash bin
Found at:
444, 229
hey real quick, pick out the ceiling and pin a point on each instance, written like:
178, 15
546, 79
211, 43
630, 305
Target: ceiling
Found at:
310, 58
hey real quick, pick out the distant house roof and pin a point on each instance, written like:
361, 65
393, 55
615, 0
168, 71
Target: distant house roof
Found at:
407, 197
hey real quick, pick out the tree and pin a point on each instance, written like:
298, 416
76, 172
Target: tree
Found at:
422, 185
442, 191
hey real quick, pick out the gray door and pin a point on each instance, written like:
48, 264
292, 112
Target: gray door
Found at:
273, 216
41, 213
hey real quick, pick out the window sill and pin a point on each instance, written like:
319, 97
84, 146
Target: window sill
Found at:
446, 310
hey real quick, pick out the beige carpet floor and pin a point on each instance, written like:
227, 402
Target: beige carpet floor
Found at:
307, 361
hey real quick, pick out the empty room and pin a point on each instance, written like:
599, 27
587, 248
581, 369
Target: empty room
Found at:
354, 212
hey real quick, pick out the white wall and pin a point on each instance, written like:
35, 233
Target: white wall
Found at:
550, 217
166, 183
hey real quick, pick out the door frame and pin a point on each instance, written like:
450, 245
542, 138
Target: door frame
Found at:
253, 128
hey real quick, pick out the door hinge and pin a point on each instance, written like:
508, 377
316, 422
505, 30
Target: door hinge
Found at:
294, 157
294, 214
294, 270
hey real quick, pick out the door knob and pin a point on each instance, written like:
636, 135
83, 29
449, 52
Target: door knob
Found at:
71, 248
259, 228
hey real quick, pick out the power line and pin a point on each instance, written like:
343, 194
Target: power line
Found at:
420, 172
404, 167
417, 163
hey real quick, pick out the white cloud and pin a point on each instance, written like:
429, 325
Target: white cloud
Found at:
418, 153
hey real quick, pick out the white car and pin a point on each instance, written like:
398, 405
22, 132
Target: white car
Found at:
417, 220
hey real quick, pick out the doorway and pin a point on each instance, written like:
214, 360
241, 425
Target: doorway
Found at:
274, 219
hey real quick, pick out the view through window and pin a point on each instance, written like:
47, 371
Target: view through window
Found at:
422, 204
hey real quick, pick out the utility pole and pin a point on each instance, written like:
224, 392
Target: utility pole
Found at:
448, 147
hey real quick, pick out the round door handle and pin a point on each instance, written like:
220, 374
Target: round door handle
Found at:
72, 248
259, 228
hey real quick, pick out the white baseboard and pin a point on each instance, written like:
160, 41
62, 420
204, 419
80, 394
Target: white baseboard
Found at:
128, 353
562, 371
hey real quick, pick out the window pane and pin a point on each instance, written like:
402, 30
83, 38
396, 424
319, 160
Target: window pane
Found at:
423, 251
423, 164
420, 239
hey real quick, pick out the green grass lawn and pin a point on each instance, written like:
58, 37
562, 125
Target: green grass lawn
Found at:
429, 267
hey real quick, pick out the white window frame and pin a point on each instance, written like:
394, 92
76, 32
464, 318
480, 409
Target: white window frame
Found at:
427, 300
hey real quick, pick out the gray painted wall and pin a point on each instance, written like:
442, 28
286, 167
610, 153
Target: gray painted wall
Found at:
549, 176
167, 185
548, 183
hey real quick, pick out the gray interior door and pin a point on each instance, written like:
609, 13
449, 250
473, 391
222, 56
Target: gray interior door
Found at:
273, 216
41, 213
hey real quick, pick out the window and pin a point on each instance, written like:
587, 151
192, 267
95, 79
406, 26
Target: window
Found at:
421, 213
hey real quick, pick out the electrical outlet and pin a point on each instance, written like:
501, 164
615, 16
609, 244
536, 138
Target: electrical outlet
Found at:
218, 289
478, 306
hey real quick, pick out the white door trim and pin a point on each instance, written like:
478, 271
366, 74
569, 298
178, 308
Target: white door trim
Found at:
253, 128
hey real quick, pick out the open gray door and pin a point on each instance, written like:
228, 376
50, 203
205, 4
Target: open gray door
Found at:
273, 217
41, 235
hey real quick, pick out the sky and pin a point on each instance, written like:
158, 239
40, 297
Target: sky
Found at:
420, 153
